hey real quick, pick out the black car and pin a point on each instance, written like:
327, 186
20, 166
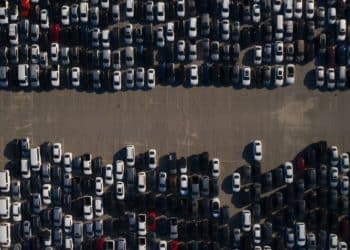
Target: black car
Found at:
225, 74
322, 175
268, 205
256, 212
193, 230
246, 174
204, 207
279, 222
311, 199
25, 187
289, 194
162, 203
267, 182
278, 200
162, 225
36, 224
299, 189
245, 37
290, 216
56, 174
311, 178
225, 214
333, 199
311, 220
322, 195
172, 203
46, 217
56, 195
46, 151
35, 184
256, 192
214, 187
77, 164
300, 209
224, 232
245, 196
67, 202
214, 231
267, 232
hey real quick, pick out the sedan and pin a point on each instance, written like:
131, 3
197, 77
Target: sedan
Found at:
257, 150
98, 186
108, 174
236, 182
152, 158
288, 172
333, 177
279, 75
162, 186
344, 162
120, 190
75, 76
194, 75
215, 207
151, 78
290, 74
184, 184
215, 167
119, 170
330, 78
334, 156
246, 76
57, 152
117, 80
320, 76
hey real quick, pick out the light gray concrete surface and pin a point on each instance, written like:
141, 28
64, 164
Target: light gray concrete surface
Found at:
218, 120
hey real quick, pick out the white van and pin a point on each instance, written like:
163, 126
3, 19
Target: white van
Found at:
279, 29
5, 181
5, 234
300, 234
23, 75
5, 207
129, 8
25, 170
130, 155
35, 159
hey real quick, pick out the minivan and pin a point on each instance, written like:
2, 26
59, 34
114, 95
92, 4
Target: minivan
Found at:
300, 234
279, 27
35, 158
130, 155
5, 234
23, 75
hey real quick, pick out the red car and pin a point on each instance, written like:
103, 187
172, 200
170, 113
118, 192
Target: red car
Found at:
55, 33
25, 8
100, 243
152, 221
300, 164
174, 245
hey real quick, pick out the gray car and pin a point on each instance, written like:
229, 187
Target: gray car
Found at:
34, 71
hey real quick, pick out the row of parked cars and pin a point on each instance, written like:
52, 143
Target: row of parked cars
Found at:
308, 207
52, 199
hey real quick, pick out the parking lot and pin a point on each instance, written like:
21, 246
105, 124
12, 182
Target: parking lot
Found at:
221, 121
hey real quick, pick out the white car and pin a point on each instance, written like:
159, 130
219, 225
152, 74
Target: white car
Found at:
257, 150
258, 55
99, 211
84, 12
256, 15
152, 158
65, 13
194, 75
67, 223
44, 19
115, 13
160, 12
290, 74
130, 155
215, 167
279, 50
333, 177
184, 184
298, 9
99, 186
16, 211
320, 76
13, 33
225, 9
170, 33
78, 233
108, 174
74, 13
117, 80
4, 15
120, 190
54, 52
180, 8
215, 207
130, 8
25, 169
119, 170
151, 78
309, 9
288, 9
98, 223
89, 230
87, 208
330, 78
334, 156
105, 4
57, 152
162, 245
46, 193
95, 37
277, 5
192, 29
236, 182
288, 172
246, 220
75, 76
341, 30
225, 30
279, 75
128, 34
192, 51
141, 224
162, 186
333, 242
332, 15
55, 76
141, 182
246, 76
257, 234
344, 162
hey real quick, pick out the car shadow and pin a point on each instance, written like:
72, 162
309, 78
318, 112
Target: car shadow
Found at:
10, 150
247, 153
226, 185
